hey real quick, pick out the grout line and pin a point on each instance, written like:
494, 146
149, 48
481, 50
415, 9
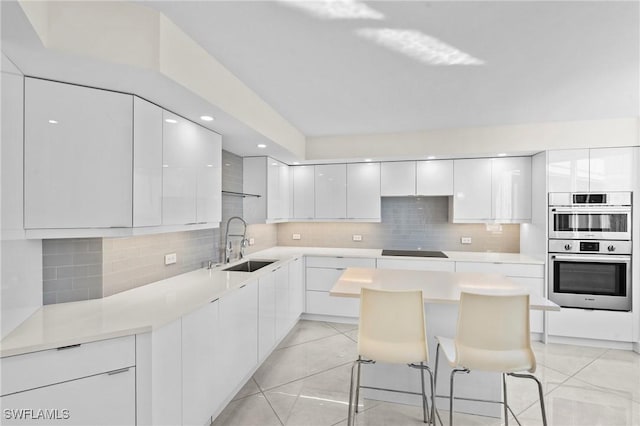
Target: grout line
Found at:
306, 377
271, 406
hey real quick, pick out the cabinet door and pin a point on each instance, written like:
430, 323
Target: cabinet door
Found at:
285, 191
511, 189
303, 192
104, 399
568, 170
434, 177
472, 190
77, 156
147, 163
238, 335
179, 176
283, 321
273, 189
613, 169
266, 314
200, 362
363, 191
208, 163
254, 181
331, 191
296, 289
398, 178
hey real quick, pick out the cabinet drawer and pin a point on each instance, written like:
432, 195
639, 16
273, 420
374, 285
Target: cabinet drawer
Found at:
320, 302
340, 262
508, 269
322, 279
417, 265
587, 324
28, 371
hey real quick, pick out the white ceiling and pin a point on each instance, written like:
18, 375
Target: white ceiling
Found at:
544, 61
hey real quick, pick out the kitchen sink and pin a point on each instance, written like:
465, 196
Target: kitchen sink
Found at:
250, 265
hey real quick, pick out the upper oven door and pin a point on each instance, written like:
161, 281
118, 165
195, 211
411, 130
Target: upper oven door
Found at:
591, 223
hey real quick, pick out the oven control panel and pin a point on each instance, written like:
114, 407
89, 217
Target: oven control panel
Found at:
595, 247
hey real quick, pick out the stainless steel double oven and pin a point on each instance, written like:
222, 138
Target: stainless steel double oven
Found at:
590, 250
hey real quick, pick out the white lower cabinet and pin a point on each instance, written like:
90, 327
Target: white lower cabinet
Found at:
90, 383
282, 293
321, 274
529, 275
590, 324
266, 315
201, 394
296, 289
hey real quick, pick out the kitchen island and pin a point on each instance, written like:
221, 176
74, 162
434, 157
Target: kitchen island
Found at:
441, 292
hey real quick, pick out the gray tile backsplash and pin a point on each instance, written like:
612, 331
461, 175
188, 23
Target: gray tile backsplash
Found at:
72, 270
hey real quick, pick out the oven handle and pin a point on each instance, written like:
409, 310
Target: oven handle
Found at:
589, 210
605, 258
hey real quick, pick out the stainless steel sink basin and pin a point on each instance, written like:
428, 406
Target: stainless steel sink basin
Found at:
249, 265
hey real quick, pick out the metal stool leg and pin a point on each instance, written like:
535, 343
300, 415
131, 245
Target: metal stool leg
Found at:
425, 405
540, 393
358, 385
351, 414
453, 373
504, 391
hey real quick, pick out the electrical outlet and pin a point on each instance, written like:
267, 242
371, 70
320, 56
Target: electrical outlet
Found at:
295, 236
252, 241
465, 240
170, 259
357, 237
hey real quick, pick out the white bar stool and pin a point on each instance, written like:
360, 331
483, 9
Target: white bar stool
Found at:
392, 330
492, 335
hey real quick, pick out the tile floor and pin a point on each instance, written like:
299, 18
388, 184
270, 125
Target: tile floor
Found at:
305, 381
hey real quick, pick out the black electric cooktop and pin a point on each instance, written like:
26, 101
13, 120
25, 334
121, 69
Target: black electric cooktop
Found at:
413, 253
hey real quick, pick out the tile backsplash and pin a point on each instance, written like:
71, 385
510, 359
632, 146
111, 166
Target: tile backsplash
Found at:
407, 223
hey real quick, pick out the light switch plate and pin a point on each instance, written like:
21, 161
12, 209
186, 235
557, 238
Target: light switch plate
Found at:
357, 237
465, 240
295, 236
170, 259
252, 241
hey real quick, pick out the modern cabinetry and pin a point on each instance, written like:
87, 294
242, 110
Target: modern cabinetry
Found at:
363, 191
321, 274
592, 170
268, 179
91, 383
331, 191
591, 324
303, 192
417, 265
497, 189
398, 178
434, 178
191, 173
266, 315
529, 275
283, 299
77, 157
296, 289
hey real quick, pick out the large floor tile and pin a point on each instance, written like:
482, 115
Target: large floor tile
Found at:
250, 411
307, 331
296, 362
575, 403
567, 359
319, 400
353, 335
522, 393
343, 327
618, 371
250, 388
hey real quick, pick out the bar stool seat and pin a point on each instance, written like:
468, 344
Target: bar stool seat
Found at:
492, 334
392, 330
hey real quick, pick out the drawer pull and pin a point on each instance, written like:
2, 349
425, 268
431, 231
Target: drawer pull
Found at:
61, 348
215, 300
243, 286
114, 372
340, 269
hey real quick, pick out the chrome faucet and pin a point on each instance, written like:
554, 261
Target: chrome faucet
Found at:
228, 245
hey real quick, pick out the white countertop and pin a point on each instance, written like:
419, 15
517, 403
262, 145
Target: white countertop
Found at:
151, 306
437, 286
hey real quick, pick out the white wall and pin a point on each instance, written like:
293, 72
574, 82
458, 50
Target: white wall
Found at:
524, 138
20, 259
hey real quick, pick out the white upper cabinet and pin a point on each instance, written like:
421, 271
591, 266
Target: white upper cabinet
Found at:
434, 178
278, 191
147, 163
78, 150
269, 179
398, 179
363, 191
511, 189
472, 185
568, 170
613, 169
303, 192
191, 173
331, 191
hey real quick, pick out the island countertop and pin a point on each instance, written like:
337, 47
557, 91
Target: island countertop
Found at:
437, 286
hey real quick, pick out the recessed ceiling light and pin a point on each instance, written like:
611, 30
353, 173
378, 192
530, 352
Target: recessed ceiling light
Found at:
431, 157
206, 118
502, 154
53, 122
171, 120
209, 165
295, 163
336, 9
418, 45
165, 165
227, 164
367, 159
261, 145
274, 164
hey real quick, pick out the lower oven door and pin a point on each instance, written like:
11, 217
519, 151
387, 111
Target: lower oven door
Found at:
590, 281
